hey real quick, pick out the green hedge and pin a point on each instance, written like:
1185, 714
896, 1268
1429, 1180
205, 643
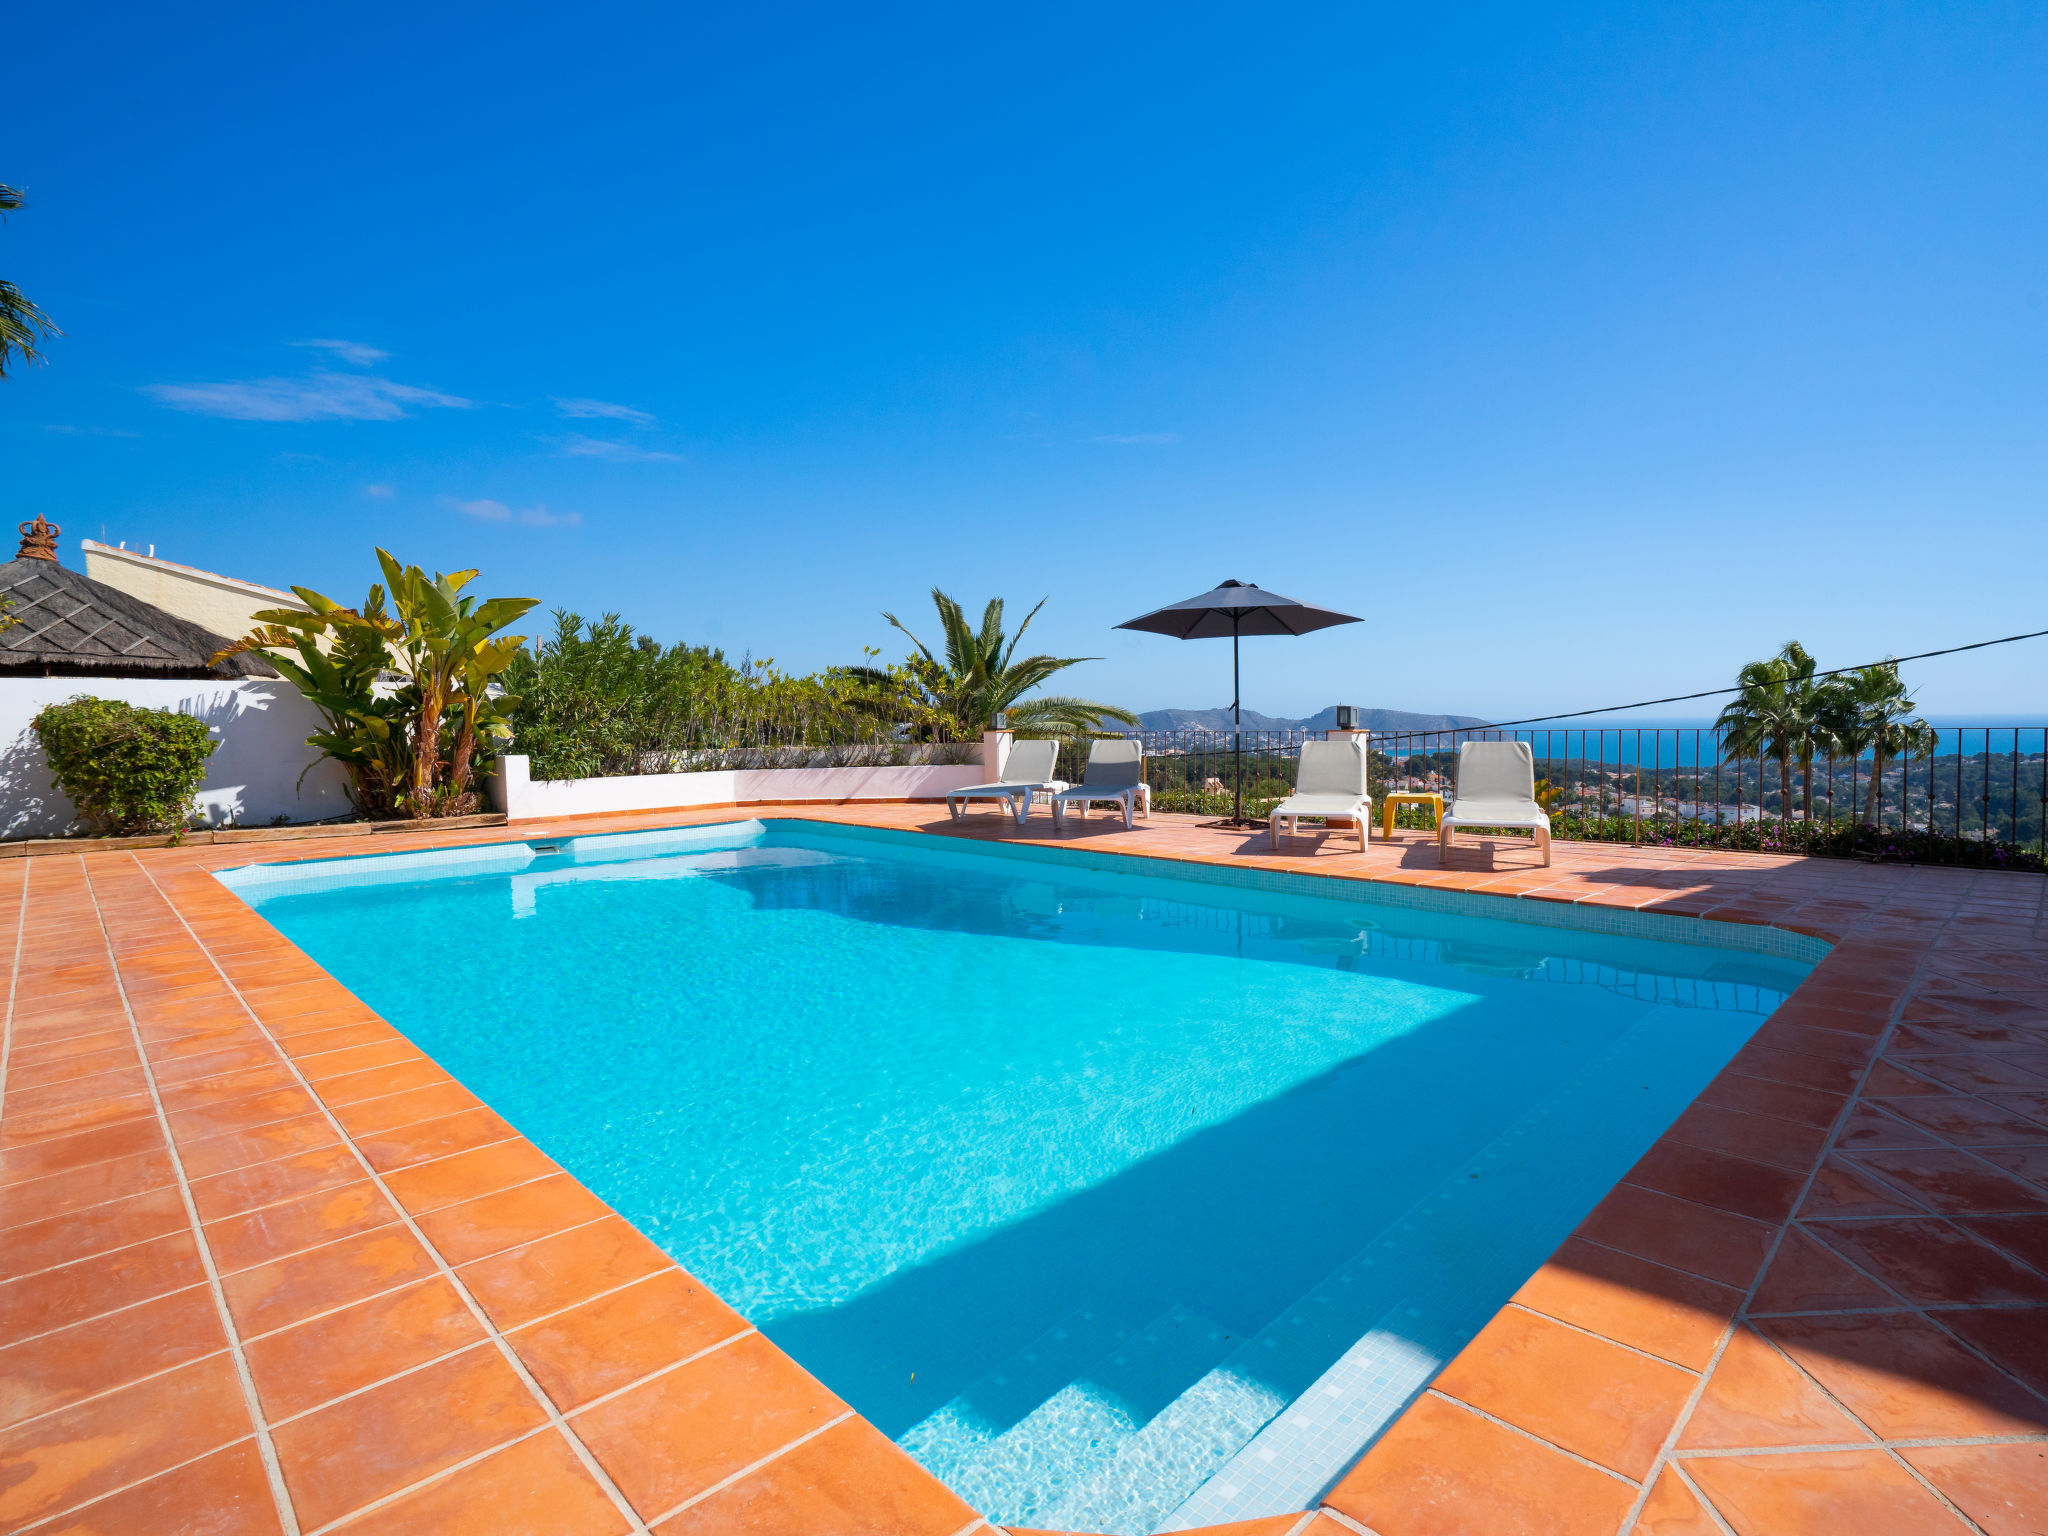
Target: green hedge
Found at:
128, 770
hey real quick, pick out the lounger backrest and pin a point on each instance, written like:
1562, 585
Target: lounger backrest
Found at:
1496, 770
1115, 764
1030, 762
1332, 768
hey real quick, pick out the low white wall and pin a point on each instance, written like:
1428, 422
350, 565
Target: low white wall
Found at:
522, 797
252, 779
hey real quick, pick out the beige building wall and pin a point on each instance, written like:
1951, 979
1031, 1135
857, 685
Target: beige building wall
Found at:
222, 604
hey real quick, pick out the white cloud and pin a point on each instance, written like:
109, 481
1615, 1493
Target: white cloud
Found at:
603, 408
1137, 439
317, 397
353, 353
382, 490
537, 516
580, 447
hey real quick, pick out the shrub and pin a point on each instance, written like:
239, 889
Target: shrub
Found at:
128, 770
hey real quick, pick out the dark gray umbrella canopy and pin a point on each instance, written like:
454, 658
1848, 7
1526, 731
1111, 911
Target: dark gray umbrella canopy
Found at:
1237, 608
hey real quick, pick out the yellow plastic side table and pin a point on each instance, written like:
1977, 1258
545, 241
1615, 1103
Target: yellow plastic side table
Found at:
1428, 797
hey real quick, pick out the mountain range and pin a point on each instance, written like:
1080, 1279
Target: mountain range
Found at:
1371, 719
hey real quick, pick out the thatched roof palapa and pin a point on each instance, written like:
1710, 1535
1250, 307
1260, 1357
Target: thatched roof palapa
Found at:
65, 624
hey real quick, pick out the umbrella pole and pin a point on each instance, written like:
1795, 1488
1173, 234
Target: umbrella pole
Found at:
1236, 731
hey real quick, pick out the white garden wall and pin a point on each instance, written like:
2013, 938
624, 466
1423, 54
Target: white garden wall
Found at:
252, 779
522, 797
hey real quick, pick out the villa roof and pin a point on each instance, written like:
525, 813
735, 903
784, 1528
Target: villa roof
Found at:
64, 623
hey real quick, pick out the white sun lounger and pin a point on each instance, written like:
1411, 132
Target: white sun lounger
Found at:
1026, 772
1115, 775
1330, 782
1496, 788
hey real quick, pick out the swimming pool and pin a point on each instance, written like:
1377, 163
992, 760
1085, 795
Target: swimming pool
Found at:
1125, 1195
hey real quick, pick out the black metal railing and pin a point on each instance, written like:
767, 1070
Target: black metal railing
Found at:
1979, 796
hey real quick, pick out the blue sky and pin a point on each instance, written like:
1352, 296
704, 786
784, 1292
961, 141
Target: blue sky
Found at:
1586, 355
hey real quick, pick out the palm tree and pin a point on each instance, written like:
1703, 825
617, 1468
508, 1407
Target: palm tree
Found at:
1869, 710
1805, 697
22, 321
981, 676
1766, 719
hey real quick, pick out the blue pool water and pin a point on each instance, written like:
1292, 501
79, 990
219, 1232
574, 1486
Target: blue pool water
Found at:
1125, 1201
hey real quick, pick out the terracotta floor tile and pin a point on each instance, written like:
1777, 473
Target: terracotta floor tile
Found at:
287, 1291
476, 1228
79, 1188
358, 1058
407, 1145
224, 1154
1905, 1378
1441, 1471
2004, 1488
1781, 1101
2029, 1163
241, 1114
1781, 1143
535, 1487
51, 1370
1820, 1493
1594, 1398
1804, 1276
1968, 1072
408, 1108
537, 1278
42, 1159
338, 1037
29, 1069
671, 1438
25, 1128
285, 1178
73, 1292
362, 1448
120, 1083
608, 1343
2015, 1338
314, 1362
1715, 1245
1872, 1128
1955, 1183
1891, 1079
1678, 1317
278, 1231
1968, 1122
41, 1244
1844, 1188
1931, 1261
848, 1480
2025, 1237
1727, 1183
379, 1081
224, 1494
202, 1093
1756, 1397
1672, 1510
468, 1175
2033, 1104
62, 1459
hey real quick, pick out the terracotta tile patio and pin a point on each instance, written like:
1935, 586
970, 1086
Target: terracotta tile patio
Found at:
266, 1267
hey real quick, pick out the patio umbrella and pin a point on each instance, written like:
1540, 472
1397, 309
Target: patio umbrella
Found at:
1236, 608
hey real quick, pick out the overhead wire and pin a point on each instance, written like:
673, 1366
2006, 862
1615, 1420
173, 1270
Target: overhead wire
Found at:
1715, 693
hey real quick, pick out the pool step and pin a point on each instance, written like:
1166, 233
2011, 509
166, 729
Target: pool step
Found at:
966, 1425
1020, 1475
1460, 1251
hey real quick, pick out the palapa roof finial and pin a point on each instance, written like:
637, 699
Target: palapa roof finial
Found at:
38, 540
